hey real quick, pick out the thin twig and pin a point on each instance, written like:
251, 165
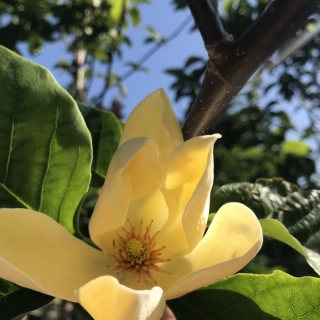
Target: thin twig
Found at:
155, 48
142, 60
296, 44
106, 86
91, 63
107, 82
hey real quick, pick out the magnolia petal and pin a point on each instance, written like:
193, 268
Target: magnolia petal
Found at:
154, 117
38, 253
148, 211
104, 298
10, 272
152, 207
211, 275
187, 189
134, 172
232, 240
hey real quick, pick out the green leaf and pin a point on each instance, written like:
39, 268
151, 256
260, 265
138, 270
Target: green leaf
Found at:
117, 8
153, 33
141, 1
45, 147
297, 148
134, 14
15, 301
263, 197
274, 229
210, 218
298, 210
248, 296
193, 60
45, 156
106, 132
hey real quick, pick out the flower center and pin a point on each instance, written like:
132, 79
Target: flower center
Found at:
136, 252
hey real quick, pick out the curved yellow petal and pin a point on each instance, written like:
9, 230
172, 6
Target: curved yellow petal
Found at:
232, 240
212, 274
154, 117
104, 298
134, 172
187, 188
38, 253
152, 207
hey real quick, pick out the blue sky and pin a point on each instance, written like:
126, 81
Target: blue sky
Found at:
161, 16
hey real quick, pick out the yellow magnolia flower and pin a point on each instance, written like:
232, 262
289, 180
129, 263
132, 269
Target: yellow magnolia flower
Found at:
149, 223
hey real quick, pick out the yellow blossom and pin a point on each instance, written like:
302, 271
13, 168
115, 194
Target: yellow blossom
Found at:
149, 223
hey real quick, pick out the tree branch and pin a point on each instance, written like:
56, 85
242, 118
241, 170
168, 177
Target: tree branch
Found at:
231, 64
208, 22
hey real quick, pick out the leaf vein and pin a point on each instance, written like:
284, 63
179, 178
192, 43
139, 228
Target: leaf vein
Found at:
70, 182
16, 197
49, 157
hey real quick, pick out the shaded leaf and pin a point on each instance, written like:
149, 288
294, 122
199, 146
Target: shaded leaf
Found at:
193, 60
134, 14
105, 131
298, 210
264, 197
15, 301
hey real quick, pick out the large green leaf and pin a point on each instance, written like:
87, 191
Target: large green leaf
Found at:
45, 155
298, 210
45, 147
263, 197
248, 296
15, 301
105, 131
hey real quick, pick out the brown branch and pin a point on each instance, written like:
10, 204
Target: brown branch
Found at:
231, 64
208, 22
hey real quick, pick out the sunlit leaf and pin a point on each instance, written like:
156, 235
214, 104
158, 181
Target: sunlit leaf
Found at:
117, 7
274, 229
297, 148
45, 147
247, 296
45, 156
